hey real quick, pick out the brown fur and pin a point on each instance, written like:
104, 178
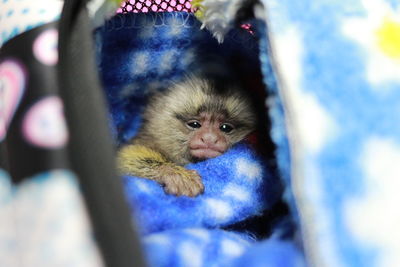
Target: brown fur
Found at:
162, 144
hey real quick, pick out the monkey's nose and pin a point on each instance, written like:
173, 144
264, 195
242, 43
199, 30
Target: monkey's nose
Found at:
209, 138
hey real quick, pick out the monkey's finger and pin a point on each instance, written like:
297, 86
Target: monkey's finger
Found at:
191, 189
186, 187
177, 187
202, 188
194, 173
171, 189
196, 187
199, 183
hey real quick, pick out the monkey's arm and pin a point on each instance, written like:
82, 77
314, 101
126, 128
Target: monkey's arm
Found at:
142, 161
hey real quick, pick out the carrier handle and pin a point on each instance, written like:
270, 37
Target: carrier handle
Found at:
91, 151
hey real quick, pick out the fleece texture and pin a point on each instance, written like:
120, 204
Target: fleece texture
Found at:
338, 64
212, 248
237, 184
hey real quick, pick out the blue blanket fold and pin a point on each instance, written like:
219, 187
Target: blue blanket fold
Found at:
238, 185
199, 247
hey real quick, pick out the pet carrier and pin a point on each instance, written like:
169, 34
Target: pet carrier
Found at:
316, 187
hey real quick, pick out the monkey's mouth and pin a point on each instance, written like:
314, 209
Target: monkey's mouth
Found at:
204, 153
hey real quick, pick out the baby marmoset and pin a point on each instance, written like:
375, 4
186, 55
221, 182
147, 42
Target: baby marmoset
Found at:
196, 119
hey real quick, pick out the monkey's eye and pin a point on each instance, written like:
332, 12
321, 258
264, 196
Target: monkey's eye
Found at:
226, 127
193, 124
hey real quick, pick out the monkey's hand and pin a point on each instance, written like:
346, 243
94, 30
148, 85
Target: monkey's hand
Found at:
180, 181
139, 160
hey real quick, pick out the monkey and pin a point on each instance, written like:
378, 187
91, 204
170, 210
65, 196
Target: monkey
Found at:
193, 120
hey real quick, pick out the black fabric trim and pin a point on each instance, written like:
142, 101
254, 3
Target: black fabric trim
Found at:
91, 152
21, 158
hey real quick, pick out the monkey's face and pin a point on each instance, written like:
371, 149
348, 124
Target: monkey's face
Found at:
194, 120
211, 135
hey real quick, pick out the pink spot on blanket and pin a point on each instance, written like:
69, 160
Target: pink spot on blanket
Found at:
44, 124
12, 86
45, 47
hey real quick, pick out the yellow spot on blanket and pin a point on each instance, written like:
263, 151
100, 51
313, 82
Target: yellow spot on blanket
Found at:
388, 36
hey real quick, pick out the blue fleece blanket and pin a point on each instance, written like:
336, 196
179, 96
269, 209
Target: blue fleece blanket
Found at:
237, 184
196, 247
338, 97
